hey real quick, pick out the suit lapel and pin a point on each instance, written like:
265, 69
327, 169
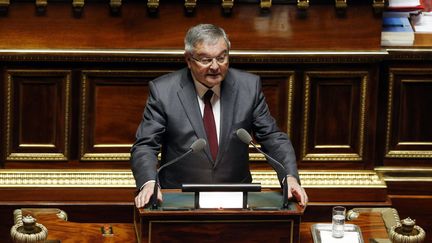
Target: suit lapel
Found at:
228, 101
188, 98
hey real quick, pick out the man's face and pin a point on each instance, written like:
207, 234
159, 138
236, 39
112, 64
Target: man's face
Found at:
209, 62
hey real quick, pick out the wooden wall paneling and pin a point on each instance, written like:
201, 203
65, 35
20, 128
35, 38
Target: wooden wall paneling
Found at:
408, 121
112, 104
37, 114
248, 28
2, 115
278, 89
335, 111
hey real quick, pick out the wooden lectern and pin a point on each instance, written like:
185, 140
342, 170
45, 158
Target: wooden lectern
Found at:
177, 220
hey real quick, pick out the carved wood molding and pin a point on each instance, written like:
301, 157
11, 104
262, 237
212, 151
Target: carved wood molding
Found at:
177, 56
405, 173
302, 4
124, 179
265, 4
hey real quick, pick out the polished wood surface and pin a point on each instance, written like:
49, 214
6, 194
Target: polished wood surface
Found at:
283, 28
63, 231
371, 225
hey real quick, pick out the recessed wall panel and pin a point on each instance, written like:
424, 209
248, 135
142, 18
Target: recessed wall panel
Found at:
334, 113
37, 105
409, 117
112, 104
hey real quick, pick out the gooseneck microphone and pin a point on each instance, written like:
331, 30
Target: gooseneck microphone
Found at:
196, 146
246, 138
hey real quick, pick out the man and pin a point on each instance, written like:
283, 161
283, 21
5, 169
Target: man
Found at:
180, 110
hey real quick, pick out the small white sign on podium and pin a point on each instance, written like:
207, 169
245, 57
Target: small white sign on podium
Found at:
221, 199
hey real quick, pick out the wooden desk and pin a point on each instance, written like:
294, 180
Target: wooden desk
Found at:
179, 221
61, 231
372, 222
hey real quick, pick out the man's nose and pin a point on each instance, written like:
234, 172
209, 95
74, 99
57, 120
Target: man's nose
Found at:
214, 64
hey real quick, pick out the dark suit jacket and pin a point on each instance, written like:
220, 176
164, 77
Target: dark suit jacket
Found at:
172, 121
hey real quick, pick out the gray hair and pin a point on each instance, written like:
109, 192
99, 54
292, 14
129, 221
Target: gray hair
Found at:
204, 33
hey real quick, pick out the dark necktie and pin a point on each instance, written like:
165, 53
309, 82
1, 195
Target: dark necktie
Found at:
209, 124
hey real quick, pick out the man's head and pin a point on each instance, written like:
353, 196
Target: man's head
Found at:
206, 53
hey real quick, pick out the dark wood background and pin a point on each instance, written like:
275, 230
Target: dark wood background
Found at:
73, 89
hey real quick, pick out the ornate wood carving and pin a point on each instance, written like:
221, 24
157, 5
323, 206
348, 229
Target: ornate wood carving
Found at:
302, 4
190, 6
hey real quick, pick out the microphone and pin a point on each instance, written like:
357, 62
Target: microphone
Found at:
246, 138
196, 146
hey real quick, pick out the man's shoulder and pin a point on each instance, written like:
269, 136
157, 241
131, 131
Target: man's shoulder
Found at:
243, 79
242, 73
170, 77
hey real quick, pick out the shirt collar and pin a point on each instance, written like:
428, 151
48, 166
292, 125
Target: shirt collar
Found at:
201, 89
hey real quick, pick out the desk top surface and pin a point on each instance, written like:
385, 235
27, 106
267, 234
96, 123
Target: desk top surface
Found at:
371, 224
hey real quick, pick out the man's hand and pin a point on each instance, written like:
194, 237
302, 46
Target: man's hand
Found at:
295, 190
145, 194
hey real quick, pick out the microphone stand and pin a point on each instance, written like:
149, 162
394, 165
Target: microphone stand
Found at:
196, 146
285, 181
154, 200
285, 193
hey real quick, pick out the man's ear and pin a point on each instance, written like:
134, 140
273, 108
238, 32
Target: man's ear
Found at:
188, 59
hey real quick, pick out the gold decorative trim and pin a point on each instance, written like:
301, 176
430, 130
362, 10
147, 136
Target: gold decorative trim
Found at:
36, 156
341, 179
378, 5
66, 78
113, 145
302, 4
77, 6
84, 94
341, 4
4, 4
190, 5
405, 174
67, 178
227, 4
256, 156
177, 56
41, 4
332, 157
398, 153
265, 4
362, 117
115, 6
152, 5
62, 215
105, 156
123, 178
36, 145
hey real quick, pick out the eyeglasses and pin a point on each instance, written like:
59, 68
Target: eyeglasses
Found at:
206, 61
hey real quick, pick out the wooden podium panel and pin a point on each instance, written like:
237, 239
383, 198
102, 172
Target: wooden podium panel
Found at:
178, 221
